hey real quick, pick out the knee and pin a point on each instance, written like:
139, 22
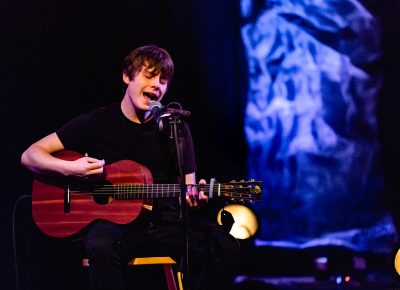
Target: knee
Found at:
224, 247
228, 243
102, 244
232, 249
232, 246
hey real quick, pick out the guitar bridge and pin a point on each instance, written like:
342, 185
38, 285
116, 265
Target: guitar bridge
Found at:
67, 200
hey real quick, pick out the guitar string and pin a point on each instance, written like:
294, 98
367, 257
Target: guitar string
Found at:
138, 189
240, 197
140, 194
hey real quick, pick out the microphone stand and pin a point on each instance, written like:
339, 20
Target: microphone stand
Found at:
176, 124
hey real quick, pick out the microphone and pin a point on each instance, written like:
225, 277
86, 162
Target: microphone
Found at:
160, 112
155, 109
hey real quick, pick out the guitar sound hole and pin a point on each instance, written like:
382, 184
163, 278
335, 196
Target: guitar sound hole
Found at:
101, 199
101, 191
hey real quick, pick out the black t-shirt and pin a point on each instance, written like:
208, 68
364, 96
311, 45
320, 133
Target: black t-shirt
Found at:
105, 133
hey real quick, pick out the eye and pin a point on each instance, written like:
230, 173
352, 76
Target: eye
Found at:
148, 75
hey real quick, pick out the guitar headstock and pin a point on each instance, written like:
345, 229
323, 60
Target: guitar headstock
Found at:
242, 191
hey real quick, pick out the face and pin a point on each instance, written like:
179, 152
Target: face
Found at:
145, 87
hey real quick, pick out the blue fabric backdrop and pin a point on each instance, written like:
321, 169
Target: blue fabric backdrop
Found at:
311, 126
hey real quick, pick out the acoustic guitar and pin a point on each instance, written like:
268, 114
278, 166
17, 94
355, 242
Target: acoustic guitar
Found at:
62, 207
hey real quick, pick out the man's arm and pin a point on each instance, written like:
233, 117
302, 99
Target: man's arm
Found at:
38, 158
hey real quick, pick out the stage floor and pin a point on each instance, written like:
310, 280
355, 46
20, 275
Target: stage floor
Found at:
310, 283
324, 268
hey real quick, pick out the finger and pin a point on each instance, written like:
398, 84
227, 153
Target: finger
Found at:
195, 194
200, 193
194, 200
203, 196
94, 168
96, 171
94, 160
189, 200
94, 163
188, 189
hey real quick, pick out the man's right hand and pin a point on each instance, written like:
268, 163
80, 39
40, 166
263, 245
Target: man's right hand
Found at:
85, 166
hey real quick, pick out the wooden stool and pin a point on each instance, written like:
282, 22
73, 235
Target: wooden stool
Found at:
168, 263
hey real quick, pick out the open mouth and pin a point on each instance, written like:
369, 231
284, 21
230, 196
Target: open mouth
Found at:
151, 96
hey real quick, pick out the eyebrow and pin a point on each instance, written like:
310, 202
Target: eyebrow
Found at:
153, 71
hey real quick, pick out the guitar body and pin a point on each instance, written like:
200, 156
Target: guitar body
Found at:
49, 199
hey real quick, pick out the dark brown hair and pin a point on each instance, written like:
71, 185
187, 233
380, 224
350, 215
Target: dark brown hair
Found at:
154, 56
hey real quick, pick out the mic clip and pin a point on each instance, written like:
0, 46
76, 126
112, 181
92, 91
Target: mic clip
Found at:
168, 110
171, 114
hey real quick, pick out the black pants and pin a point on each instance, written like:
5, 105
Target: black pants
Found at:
213, 253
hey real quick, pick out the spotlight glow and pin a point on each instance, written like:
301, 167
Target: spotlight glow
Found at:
397, 262
246, 223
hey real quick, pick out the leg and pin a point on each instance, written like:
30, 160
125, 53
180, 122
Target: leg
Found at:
109, 248
220, 254
213, 253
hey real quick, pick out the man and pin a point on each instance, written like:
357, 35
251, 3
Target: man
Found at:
126, 131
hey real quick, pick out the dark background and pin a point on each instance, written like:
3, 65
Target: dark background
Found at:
62, 58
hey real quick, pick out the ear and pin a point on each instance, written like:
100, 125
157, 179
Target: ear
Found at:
126, 78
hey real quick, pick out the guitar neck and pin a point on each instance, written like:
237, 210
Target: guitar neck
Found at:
239, 191
140, 191
144, 191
